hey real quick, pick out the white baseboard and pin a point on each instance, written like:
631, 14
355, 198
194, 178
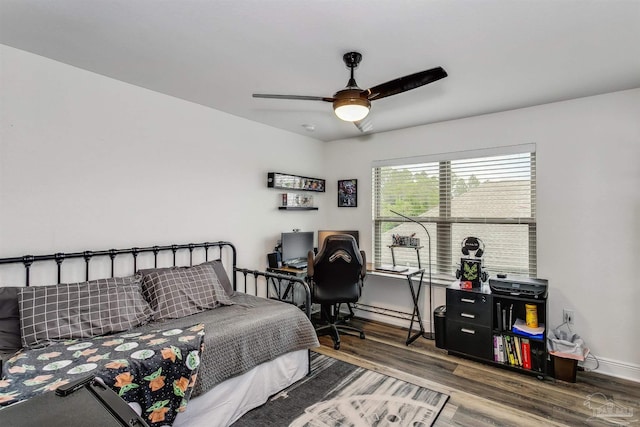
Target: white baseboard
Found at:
615, 368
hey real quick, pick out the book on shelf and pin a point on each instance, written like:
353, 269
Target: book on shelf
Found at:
526, 354
510, 317
499, 312
517, 345
510, 353
498, 349
513, 350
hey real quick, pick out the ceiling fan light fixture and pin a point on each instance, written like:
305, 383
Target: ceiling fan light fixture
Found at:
351, 109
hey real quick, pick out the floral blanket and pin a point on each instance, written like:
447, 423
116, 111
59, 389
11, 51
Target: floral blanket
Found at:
157, 369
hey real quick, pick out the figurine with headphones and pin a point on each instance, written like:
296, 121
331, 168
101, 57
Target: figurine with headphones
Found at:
471, 272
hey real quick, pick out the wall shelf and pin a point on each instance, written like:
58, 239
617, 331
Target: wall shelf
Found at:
297, 208
294, 182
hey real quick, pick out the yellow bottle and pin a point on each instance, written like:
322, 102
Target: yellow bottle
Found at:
532, 315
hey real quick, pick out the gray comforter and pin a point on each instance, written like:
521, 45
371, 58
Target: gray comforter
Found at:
241, 336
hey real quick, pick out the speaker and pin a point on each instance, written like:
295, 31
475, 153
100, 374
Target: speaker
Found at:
274, 260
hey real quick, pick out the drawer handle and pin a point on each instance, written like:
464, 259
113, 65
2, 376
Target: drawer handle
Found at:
468, 316
468, 331
469, 300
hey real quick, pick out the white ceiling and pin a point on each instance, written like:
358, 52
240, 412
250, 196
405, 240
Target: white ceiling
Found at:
500, 54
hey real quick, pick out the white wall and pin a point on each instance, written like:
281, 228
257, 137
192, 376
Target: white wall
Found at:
88, 162
588, 198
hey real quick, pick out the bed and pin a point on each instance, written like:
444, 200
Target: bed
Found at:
183, 321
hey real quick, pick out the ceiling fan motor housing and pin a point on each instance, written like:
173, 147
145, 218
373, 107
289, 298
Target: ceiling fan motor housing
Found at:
353, 100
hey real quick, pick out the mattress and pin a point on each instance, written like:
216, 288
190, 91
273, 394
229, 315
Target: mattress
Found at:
241, 336
228, 401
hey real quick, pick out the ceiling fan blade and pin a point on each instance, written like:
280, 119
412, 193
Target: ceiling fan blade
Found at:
405, 83
296, 97
364, 125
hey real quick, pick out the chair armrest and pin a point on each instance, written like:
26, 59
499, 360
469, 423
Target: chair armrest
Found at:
310, 257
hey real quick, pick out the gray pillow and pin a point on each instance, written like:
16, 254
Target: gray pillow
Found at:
81, 310
221, 273
9, 319
218, 270
177, 292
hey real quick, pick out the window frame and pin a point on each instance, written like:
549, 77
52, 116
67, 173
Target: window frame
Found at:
445, 222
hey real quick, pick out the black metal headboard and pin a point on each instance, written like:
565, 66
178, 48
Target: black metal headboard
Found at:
225, 251
59, 258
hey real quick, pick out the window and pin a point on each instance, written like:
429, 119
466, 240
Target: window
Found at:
489, 194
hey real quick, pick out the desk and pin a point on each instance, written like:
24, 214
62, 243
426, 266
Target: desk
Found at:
415, 289
277, 283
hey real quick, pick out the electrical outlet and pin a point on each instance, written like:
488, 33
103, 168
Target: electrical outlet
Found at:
567, 316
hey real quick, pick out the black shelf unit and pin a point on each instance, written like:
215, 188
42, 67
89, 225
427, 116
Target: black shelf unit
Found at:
473, 320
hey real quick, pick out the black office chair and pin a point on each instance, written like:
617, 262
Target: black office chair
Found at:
336, 276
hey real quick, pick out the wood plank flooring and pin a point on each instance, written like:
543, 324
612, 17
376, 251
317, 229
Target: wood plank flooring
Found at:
483, 395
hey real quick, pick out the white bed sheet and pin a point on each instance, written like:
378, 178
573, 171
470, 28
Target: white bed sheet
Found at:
229, 400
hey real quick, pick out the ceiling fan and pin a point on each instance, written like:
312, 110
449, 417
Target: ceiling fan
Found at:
352, 104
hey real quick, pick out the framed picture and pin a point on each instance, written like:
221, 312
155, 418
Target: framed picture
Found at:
348, 193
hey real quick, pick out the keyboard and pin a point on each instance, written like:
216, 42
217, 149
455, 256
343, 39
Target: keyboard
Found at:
297, 264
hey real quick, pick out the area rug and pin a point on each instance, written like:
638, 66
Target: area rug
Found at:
340, 394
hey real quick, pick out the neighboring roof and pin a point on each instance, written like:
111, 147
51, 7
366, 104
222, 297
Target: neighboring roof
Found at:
486, 200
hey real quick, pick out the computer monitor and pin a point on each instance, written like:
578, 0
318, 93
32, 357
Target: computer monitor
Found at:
296, 245
322, 234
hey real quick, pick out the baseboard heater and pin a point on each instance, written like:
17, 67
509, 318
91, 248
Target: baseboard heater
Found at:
383, 311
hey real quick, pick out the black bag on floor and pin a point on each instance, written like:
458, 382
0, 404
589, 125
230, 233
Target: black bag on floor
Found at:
86, 402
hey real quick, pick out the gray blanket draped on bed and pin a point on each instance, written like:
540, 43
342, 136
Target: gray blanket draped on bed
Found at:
241, 336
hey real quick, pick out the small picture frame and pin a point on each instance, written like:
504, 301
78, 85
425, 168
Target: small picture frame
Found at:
348, 193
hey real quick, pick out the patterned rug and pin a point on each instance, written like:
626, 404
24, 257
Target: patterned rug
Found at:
340, 394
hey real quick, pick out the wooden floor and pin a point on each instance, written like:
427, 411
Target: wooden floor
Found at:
483, 395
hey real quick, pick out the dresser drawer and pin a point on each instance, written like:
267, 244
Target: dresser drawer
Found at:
469, 339
472, 307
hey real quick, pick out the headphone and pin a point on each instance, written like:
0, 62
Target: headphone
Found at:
473, 244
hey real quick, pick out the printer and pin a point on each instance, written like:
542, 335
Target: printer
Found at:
519, 286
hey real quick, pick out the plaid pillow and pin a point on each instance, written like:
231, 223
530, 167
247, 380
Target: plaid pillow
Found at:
181, 291
81, 310
221, 273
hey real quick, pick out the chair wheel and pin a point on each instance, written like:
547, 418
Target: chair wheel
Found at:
361, 335
336, 346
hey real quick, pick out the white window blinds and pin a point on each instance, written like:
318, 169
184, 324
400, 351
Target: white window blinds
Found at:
490, 195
